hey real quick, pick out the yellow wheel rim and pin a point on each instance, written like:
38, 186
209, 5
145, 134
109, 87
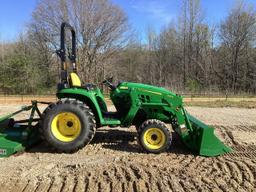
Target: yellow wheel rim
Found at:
154, 138
66, 126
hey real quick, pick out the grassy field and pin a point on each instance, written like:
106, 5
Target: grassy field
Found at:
222, 103
241, 102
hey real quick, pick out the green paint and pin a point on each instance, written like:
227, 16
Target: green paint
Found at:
91, 98
136, 102
17, 137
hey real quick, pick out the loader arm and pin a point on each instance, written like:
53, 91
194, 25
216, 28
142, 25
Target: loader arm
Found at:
133, 109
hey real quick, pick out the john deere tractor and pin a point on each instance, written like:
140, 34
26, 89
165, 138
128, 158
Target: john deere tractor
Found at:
70, 124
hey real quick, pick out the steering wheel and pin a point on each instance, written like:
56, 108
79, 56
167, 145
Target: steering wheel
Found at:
109, 83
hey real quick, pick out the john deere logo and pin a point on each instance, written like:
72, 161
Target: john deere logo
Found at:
2, 151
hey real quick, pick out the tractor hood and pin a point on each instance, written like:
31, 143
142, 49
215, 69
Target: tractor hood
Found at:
149, 88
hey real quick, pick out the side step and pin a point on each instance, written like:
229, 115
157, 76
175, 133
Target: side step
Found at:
111, 118
111, 121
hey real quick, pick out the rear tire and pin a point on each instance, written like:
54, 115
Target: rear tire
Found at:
154, 136
67, 125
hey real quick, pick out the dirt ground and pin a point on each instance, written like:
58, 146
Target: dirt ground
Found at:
113, 161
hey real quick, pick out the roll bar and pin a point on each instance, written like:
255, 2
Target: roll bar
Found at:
62, 51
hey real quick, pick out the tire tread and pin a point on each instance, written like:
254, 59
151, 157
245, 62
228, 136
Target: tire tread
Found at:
86, 110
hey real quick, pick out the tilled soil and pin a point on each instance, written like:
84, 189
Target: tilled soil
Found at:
113, 161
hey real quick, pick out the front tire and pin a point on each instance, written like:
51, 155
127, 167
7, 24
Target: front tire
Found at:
154, 136
68, 125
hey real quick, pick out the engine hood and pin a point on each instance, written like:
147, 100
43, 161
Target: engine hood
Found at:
145, 87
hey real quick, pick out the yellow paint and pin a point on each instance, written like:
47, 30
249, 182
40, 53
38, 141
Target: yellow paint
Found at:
75, 80
122, 87
150, 91
65, 66
66, 126
154, 138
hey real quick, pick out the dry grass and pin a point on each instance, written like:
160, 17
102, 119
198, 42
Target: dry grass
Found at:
25, 99
241, 102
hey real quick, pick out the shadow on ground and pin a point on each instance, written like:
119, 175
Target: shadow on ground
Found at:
121, 140
118, 140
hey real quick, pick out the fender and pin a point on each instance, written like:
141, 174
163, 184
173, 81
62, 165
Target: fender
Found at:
85, 96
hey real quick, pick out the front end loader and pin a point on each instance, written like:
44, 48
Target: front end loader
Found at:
70, 124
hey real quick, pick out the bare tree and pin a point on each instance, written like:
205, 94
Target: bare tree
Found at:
151, 63
237, 34
188, 55
101, 27
190, 18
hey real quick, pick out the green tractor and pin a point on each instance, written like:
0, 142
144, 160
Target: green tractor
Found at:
70, 124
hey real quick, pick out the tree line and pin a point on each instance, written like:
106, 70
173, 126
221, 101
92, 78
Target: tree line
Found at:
187, 55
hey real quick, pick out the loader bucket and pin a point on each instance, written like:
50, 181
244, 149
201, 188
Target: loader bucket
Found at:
203, 140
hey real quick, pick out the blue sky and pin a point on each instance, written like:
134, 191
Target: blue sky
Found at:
158, 13
14, 14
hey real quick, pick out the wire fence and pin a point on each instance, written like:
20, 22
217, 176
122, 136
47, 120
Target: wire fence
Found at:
12, 99
218, 97
205, 97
